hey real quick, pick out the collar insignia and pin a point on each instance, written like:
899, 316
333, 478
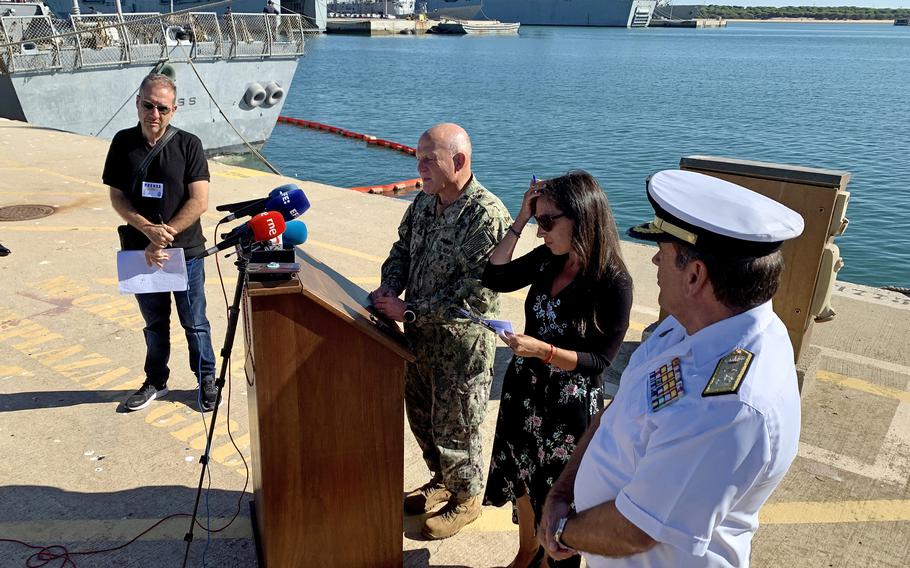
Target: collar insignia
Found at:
729, 373
665, 384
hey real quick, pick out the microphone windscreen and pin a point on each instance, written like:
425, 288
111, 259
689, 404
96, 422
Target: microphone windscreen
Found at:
267, 225
290, 204
283, 188
295, 233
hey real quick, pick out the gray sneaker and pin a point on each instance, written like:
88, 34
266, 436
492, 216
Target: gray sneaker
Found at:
209, 394
144, 396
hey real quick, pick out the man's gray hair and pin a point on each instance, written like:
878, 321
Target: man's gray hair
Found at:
158, 80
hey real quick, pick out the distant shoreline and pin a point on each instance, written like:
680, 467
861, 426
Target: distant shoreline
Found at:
808, 21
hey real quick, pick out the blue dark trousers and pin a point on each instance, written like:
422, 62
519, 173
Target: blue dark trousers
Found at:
156, 310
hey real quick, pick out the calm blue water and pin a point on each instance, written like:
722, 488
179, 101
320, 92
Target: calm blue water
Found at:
621, 104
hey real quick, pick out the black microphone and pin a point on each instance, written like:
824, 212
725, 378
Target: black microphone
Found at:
4, 251
262, 227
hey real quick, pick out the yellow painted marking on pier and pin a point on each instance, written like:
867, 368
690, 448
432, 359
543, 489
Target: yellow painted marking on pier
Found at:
58, 229
46, 172
864, 386
117, 530
48, 193
224, 451
807, 512
344, 250
12, 370
232, 172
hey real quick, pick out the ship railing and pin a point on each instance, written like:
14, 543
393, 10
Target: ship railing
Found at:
39, 43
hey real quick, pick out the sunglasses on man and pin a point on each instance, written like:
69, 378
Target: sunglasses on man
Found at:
162, 109
546, 222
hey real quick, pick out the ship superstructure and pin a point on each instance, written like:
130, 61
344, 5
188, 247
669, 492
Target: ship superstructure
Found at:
81, 74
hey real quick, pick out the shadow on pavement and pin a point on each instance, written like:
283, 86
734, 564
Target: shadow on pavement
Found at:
46, 516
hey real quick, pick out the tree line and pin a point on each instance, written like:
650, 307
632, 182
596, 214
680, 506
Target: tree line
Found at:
811, 12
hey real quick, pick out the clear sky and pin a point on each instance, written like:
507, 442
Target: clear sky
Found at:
864, 3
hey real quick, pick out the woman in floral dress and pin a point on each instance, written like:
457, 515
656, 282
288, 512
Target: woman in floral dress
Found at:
576, 313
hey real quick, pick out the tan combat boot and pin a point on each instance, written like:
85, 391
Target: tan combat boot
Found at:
425, 497
452, 518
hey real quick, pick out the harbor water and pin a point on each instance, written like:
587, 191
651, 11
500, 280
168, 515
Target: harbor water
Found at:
622, 103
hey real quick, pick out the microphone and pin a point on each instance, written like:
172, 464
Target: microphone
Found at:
5, 251
295, 233
233, 207
289, 200
261, 227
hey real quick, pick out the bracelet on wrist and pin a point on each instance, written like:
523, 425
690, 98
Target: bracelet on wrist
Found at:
514, 232
552, 354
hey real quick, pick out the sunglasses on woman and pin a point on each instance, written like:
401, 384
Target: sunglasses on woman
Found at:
162, 109
546, 222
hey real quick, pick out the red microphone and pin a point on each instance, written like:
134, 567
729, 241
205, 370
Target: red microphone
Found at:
262, 227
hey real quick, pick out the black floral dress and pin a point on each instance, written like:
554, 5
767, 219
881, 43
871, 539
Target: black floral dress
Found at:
544, 410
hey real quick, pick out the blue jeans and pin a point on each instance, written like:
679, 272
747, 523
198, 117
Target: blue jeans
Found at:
156, 310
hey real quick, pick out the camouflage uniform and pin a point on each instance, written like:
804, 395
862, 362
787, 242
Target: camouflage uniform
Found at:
439, 261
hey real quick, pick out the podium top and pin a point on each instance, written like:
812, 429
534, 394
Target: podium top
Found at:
322, 284
781, 172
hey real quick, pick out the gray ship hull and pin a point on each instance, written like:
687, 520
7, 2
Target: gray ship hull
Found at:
612, 13
81, 75
98, 102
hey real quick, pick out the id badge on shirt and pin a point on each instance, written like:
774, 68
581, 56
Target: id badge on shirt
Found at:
153, 190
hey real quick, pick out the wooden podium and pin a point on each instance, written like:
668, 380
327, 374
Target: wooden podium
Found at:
326, 406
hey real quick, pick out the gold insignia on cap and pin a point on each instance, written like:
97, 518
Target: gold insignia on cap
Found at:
647, 229
678, 232
729, 373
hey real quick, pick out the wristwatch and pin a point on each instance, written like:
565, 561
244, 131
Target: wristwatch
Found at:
557, 534
409, 315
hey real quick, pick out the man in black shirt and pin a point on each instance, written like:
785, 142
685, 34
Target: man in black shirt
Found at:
162, 207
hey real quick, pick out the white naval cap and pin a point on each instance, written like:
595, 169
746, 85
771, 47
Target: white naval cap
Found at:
715, 215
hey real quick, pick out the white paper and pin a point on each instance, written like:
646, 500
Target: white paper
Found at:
500, 326
137, 277
496, 326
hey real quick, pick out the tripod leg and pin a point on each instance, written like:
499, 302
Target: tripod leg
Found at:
233, 318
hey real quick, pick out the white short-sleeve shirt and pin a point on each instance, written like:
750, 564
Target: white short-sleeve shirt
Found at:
693, 474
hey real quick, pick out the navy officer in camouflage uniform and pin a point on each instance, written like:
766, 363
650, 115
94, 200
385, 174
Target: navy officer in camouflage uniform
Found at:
445, 240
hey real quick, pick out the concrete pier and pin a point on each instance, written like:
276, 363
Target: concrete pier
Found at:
78, 471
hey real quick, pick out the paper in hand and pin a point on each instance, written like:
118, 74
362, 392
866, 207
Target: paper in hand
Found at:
137, 277
496, 326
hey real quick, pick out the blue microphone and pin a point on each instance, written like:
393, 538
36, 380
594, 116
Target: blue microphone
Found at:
289, 200
295, 233
291, 204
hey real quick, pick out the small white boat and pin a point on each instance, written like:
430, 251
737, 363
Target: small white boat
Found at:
475, 27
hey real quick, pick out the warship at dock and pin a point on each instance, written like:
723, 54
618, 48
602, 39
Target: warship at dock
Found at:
81, 74
608, 13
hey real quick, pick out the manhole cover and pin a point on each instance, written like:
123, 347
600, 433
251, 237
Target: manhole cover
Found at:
25, 212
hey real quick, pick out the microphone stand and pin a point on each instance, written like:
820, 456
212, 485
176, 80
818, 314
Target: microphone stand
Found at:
243, 252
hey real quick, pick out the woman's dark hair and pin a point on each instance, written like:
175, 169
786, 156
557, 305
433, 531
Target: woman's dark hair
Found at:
595, 239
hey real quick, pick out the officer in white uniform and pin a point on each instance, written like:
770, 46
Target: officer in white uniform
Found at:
706, 420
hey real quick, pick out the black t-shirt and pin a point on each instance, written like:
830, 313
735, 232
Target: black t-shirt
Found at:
179, 164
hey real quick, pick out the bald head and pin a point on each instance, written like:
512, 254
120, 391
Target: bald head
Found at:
451, 137
444, 160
